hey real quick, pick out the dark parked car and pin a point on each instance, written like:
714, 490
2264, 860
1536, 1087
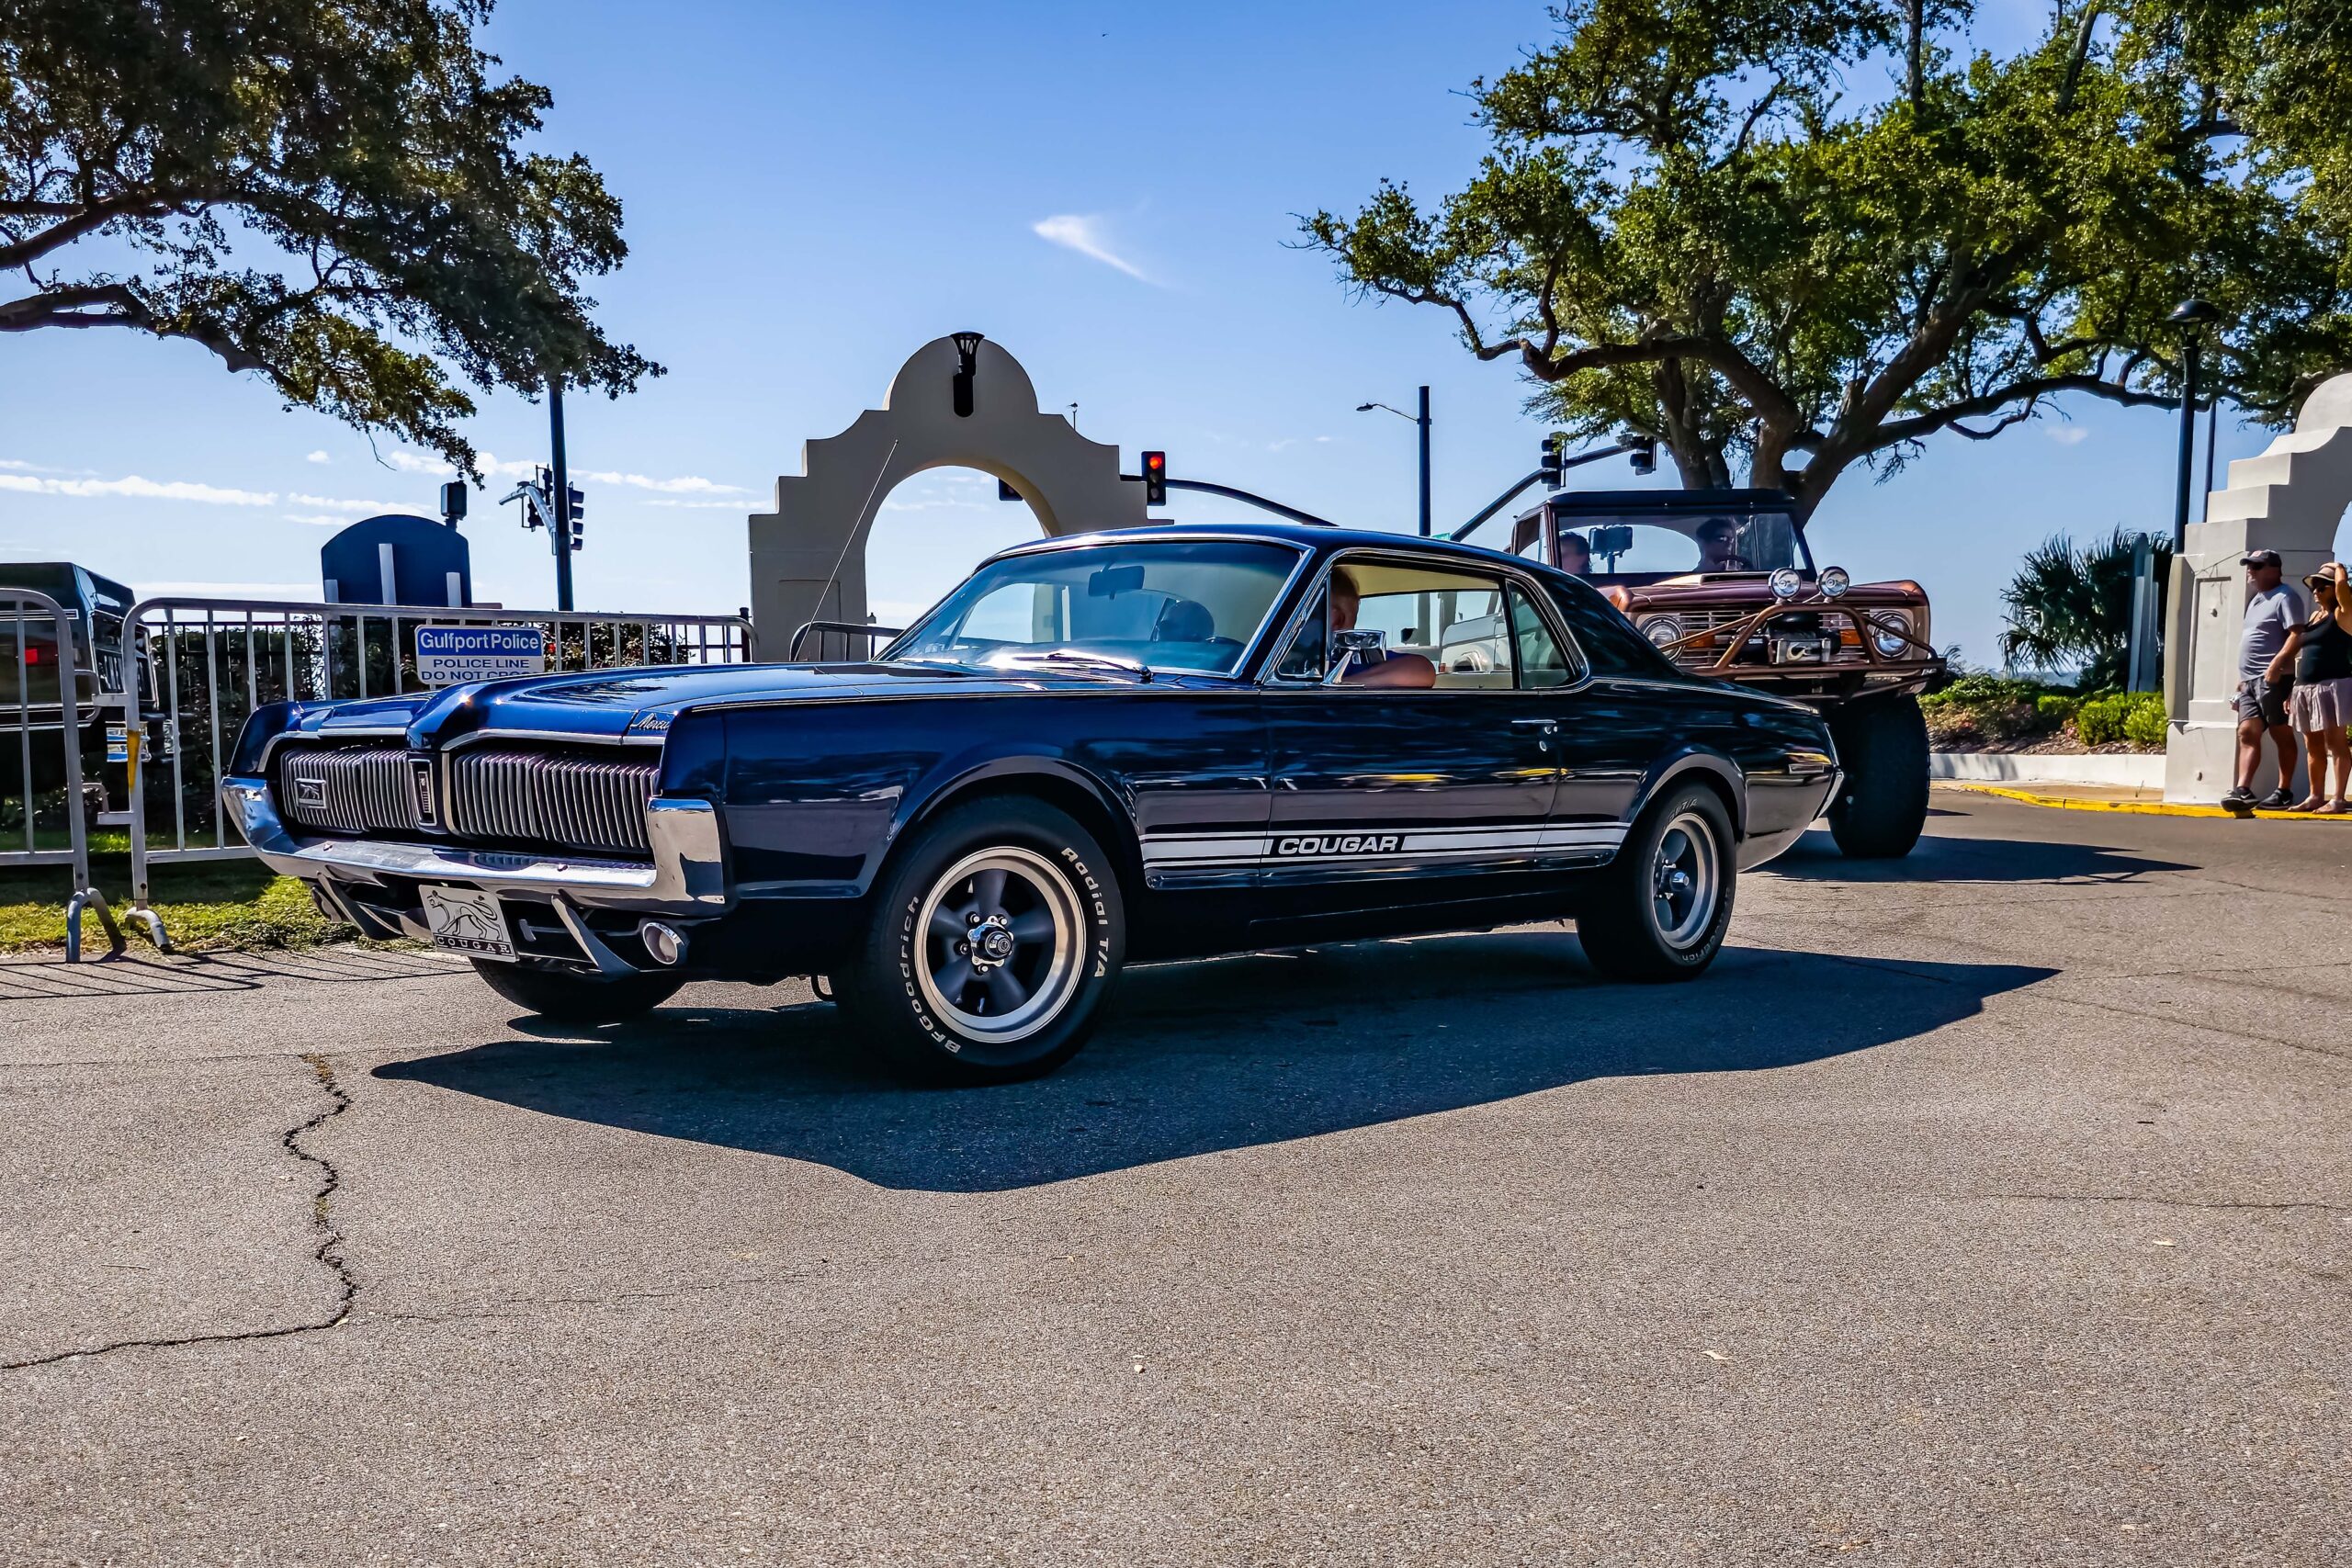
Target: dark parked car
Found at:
1099, 750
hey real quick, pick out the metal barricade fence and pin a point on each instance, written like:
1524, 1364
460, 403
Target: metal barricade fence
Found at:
23, 612
197, 667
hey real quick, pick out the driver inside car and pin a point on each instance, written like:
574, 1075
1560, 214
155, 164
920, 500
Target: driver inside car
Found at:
1379, 667
1718, 538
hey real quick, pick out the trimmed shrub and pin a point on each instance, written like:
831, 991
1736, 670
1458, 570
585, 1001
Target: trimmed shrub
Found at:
2135, 717
2053, 711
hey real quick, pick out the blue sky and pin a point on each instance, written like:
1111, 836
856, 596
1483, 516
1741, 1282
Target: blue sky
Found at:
812, 191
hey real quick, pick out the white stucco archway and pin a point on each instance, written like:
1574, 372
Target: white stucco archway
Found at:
809, 554
2290, 499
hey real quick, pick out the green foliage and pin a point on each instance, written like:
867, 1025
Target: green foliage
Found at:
1698, 219
330, 192
2053, 711
1982, 707
2135, 717
2074, 606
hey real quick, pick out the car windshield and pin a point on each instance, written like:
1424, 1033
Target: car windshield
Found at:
1191, 604
1602, 545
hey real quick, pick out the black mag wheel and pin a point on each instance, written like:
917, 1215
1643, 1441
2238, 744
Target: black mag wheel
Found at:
1664, 902
997, 936
572, 996
1881, 806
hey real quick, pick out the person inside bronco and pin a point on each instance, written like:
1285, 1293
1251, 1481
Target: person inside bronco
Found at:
1718, 537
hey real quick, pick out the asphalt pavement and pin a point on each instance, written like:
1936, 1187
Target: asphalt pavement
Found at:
1994, 1206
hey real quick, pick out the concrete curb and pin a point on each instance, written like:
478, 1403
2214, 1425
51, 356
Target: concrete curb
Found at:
2138, 808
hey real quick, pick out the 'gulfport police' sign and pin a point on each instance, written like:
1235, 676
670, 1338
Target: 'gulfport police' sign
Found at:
448, 655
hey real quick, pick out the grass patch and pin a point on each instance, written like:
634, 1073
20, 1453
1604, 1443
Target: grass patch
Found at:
205, 905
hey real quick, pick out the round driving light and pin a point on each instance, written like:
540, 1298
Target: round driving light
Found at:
1890, 633
1662, 630
1835, 581
663, 943
1785, 582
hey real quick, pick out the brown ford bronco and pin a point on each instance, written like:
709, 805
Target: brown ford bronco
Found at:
1725, 583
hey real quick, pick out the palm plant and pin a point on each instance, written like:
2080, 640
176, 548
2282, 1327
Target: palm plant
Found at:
2068, 604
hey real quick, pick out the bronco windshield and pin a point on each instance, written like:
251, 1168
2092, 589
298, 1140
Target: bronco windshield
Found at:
1192, 604
1655, 547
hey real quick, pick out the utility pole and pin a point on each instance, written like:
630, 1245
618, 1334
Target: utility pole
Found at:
559, 511
1424, 423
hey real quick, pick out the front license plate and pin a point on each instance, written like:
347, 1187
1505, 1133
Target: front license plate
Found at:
466, 922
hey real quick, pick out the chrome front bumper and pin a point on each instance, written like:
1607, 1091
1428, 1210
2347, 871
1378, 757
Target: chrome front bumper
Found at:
687, 875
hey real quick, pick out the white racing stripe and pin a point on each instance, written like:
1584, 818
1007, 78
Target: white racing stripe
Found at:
1358, 845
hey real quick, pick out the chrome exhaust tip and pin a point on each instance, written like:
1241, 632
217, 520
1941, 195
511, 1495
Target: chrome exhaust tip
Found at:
663, 944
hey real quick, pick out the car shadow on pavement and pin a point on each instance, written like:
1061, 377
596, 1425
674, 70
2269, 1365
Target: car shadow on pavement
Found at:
1220, 1054
1941, 858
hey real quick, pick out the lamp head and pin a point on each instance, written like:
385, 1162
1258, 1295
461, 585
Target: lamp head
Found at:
2194, 313
967, 343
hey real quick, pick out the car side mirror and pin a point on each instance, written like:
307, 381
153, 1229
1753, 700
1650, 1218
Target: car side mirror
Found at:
1351, 643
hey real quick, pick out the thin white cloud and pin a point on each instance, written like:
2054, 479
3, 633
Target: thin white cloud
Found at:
339, 503
316, 519
2066, 435
318, 456
1086, 233
685, 484
738, 504
296, 591
143, 489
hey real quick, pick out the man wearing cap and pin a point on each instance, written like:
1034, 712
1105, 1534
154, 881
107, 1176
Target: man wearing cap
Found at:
2266, 677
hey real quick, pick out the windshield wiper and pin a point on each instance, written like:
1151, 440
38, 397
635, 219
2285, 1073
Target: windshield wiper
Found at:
1100, 661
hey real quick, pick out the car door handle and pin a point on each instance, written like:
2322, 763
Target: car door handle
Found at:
1547, 725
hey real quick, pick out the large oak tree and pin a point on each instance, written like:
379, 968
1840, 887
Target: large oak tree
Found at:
334, 194
1798, 236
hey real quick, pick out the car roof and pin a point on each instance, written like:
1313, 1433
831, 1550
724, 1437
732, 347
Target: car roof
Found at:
1304, 536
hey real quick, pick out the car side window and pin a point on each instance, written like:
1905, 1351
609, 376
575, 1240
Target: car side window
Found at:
1543, 662
1432, 629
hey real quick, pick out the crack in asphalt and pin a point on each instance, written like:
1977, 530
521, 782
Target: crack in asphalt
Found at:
2219, 1205
329, 1251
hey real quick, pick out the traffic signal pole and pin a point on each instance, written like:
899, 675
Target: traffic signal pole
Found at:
560, 519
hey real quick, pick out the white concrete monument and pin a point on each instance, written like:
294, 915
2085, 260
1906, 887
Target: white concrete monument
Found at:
959, 402
2291, 498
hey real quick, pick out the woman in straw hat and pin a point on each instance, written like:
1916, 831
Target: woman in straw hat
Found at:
2321, 705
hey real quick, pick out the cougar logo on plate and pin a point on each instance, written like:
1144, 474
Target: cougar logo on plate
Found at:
1339, 844
310, 792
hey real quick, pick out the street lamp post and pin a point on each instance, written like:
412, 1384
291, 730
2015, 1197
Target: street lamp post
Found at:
2192, 316
1423, 423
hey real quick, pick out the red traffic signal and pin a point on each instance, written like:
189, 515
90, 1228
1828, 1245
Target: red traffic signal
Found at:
1154, 479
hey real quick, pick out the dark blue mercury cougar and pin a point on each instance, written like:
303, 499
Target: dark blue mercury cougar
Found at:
1150, 744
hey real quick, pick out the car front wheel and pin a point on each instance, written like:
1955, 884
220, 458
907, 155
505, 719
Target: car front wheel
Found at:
1664, 902
572, 996
997, 939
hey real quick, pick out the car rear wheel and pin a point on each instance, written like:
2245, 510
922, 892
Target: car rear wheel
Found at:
1882, 804
572, 996
1666, 900
997, 939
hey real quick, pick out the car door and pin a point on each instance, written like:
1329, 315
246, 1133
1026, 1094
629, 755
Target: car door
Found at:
1448, 773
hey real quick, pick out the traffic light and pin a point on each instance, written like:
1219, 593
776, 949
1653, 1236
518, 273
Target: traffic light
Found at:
1154, 479
575, 503
1550, 467
453, 502
1641, 453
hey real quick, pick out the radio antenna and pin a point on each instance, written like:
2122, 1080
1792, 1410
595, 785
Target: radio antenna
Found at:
864, 513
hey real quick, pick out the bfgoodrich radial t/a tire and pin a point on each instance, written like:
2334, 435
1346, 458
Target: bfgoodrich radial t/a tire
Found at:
998, 935
1882, 804
570, 995
1665, 901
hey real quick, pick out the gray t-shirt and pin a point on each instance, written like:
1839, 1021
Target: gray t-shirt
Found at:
2270, 615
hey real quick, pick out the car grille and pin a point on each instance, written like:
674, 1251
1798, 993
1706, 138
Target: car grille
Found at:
350, 789
578, 802
1702, 653
495, 793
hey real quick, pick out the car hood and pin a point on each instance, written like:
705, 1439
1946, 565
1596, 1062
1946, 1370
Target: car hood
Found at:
622, 705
